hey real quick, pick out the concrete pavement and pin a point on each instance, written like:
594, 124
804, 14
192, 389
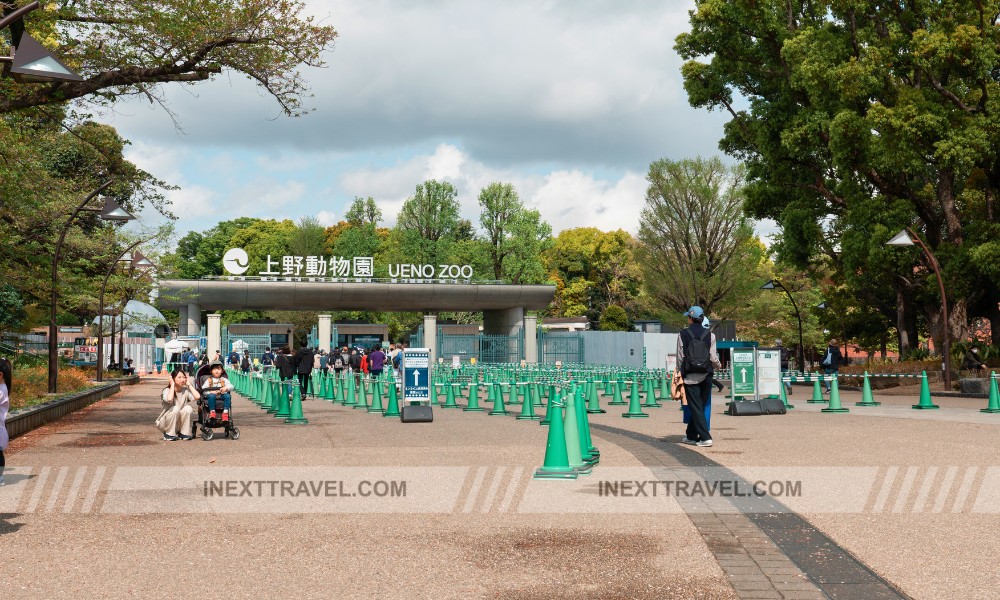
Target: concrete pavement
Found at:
97, 505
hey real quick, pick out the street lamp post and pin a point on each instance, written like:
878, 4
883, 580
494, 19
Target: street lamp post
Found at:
773, 284
110, 212
138, 260
906, 237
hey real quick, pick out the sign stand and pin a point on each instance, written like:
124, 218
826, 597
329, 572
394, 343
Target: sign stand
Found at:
416, 375
744, 370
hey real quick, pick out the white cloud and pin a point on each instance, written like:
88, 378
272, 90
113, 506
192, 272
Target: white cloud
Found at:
327, 218
565, 199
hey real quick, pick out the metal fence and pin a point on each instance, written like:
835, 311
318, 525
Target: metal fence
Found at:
485, 348
256, 343
566, 347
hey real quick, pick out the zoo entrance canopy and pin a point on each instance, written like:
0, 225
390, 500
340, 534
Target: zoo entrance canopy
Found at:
253, 294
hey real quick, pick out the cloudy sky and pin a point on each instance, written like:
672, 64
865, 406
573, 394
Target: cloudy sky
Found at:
569, 100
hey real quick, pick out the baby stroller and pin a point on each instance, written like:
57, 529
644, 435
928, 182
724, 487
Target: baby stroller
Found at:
205, 421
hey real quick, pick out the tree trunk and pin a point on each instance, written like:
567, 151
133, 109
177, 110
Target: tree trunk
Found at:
906, 324
994, 317
957, 328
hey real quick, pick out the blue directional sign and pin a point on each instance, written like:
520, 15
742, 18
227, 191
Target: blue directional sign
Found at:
416, 375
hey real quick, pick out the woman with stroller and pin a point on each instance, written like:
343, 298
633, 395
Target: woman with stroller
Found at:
178, 402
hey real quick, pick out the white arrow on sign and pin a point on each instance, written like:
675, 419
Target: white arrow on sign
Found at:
416, 378
743, 372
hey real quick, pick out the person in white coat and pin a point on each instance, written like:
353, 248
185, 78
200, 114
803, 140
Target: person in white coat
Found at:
5, 383
178, 403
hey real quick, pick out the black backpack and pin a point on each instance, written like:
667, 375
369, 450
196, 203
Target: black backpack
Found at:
697, 352
245, 364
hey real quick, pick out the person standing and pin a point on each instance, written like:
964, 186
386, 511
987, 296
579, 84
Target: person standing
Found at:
303, 362
697, 359
355, 363
376, 362
267, 361
5, 387
234, 359
831, 363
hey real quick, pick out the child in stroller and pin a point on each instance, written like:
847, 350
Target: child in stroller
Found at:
215, 389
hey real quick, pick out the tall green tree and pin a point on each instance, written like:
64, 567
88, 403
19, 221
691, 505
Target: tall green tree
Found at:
364, 211
308, 238
429, 223
697, 246
515, 236
844, 103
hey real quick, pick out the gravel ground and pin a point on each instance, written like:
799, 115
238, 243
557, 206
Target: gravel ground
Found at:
482, 553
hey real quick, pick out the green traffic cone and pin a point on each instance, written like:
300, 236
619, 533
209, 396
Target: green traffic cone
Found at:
650, 401
664, 388
634, 410
528, 408
616, 393
449, 398
549, 406
925, 395
593, 403
784, 396
376, 397
277, 391
572, 426
994, 404
817, 392
473, 405
835, 406
270, 394
362, 398
498, 405
434, 389
284, 409
587, 453
393, 409
538, 394
556, 465
295, 415
866, 393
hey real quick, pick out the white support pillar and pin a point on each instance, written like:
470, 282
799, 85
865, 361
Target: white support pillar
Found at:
430, 334
323, 332
214, 334
531, 339
193, 319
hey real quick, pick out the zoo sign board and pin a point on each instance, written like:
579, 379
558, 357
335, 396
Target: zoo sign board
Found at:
237, 262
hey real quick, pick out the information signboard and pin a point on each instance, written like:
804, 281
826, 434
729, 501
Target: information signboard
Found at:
744, 368
671, 362
769, 371
416, 375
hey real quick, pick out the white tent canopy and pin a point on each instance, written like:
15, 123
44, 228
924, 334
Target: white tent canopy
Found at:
175, 346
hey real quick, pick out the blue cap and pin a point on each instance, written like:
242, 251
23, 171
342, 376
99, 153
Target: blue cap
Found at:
695, 312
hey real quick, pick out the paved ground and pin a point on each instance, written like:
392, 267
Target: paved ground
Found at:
891, 506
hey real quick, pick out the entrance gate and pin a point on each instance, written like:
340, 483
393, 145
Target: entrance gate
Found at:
565, 347
256, 343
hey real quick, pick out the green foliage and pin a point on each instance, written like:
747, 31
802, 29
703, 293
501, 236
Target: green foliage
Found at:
515, 236
697, 247
858, 121
593, 269
364, 212
12, 312
614, 319
308, 238
131, 47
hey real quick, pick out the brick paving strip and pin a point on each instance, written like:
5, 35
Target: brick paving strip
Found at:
766, 550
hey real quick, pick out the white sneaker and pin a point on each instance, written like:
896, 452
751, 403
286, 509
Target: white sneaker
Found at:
703, 443
2, 482
688, 441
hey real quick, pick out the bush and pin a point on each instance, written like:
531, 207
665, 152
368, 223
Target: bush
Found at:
31, 384
614, 318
